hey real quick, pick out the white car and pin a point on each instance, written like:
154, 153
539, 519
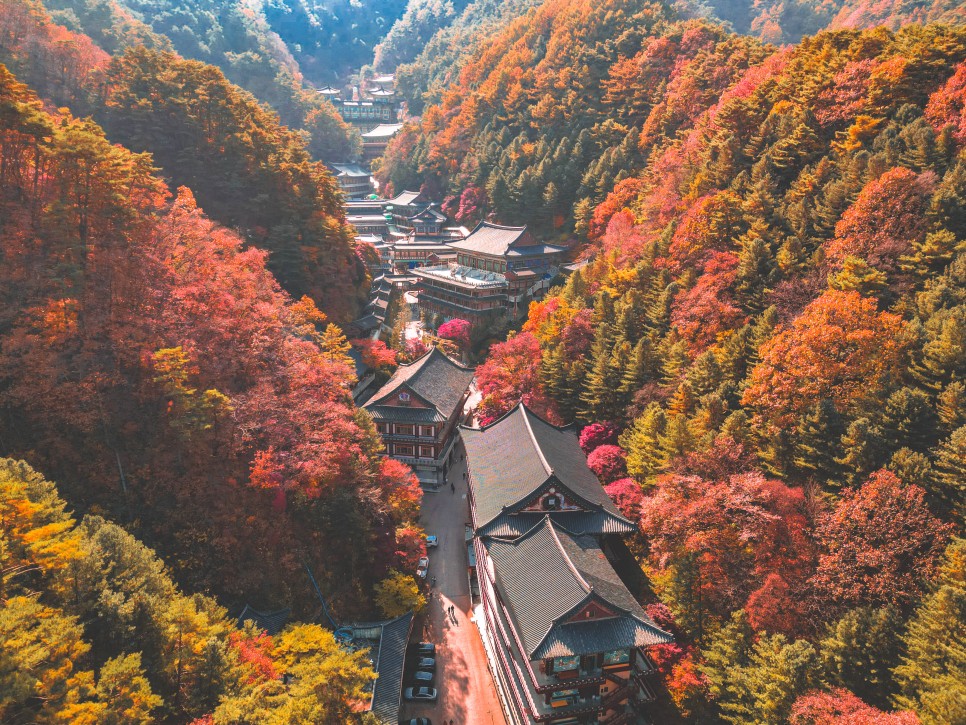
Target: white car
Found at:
423, 567
431, 541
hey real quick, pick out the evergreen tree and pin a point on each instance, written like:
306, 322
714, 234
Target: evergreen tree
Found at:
728, 649
677, 440
951, 405
817, 441
912, 468
856, 274
704, 376
638, 369
860, 651
862, 450
909, 420
950, 472
932, 676
757, 681
642, 443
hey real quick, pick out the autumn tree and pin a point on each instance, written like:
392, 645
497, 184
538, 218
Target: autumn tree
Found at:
880, 546
841, 707
841, 349
398, 593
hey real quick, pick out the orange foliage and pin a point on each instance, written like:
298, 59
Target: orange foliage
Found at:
840, 348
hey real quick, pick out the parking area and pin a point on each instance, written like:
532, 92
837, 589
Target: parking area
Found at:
467, 695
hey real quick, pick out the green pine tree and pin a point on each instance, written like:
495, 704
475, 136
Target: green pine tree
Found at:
860, 651
950, 472
862, 450
932, 675
642, 443
817, 441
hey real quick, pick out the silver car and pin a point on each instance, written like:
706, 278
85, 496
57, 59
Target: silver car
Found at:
425, 694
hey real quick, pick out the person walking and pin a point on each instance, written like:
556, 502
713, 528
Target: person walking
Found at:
452, 487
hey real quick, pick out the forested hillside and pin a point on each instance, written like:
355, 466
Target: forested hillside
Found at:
252, 41
251, 173
789, 22
550, 113
237, 38
151, 364
93, 631
765, 348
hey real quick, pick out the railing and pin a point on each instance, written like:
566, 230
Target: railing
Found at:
617, 696
619, 718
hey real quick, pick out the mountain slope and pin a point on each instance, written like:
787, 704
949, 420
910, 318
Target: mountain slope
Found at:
151, 363
250, 172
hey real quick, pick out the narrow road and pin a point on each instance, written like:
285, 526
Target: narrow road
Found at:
467, 695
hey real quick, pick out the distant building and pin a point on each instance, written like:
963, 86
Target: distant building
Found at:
355, 181
269, 622
570, 641
366, 223
382, 249
384, 296
428, 241
375, 140
366, 115
412, 252
416, 412
329, 92
498, 271
364, 374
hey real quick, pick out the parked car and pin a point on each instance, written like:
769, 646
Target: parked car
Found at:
425, 694
417, 721
431, 541
426, 663
423, 567
426, 649
422, 677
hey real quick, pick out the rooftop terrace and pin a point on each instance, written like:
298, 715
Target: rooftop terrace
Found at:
463, 275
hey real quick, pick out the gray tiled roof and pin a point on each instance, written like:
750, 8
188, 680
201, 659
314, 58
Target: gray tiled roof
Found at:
547, 575
385, 130
513, 459
493, 239
360, 367
430, 211
405, 198
580, 522
433, 377
532, 250
270, 622
350, 170
366, 322
387, 690
402, 414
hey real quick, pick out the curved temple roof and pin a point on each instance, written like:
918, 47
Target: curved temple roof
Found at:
548, 575
434, 377
513, 459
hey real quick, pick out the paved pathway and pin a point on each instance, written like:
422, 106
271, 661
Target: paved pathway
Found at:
466, 691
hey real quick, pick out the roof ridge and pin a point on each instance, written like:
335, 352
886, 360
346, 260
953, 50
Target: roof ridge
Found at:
492, 225
563, 552
526, 421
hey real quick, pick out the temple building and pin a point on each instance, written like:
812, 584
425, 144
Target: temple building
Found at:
427, 241
376, 139
498, 271
417, 412
355, 181
568, 639
405, 206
